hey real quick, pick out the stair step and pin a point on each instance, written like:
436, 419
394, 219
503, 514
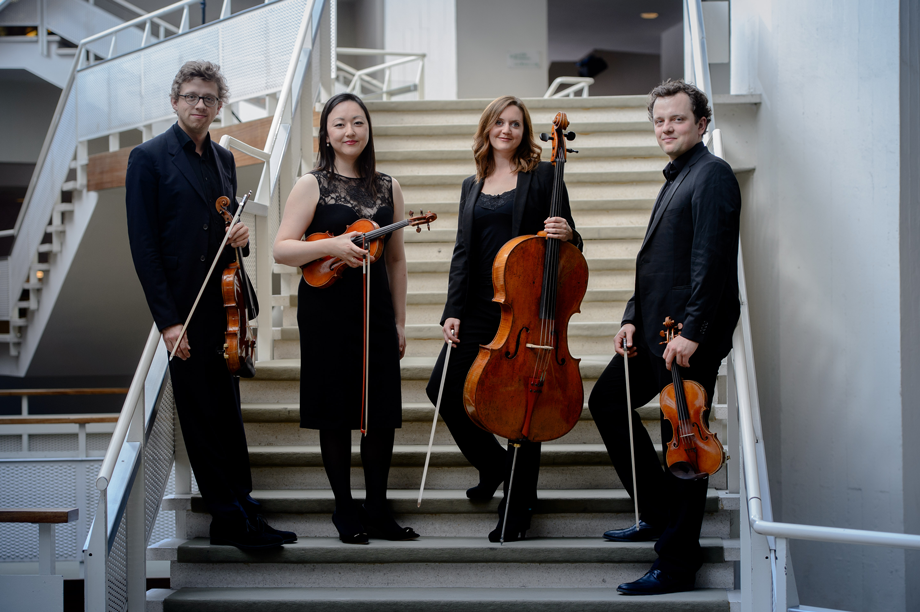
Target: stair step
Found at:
404, 502
416, 599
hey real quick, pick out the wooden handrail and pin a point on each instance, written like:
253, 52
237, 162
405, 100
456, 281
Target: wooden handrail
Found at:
39, 515
59, 419
97, 391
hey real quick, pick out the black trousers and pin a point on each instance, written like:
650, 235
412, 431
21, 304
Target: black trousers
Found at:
480, 447
208, 404
664, 500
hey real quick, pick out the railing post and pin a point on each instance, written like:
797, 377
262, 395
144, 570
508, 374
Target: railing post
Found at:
94, 556
756, 572
46, 556
42, 30
732, 434
786, 592
135, 519
421, 79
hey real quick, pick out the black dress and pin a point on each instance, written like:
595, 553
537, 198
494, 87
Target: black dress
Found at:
330, 321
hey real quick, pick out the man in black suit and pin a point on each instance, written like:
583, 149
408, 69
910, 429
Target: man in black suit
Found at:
687, 270
172, 184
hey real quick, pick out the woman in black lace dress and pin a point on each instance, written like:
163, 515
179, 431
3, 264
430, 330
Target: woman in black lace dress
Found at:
509, 196
343, 188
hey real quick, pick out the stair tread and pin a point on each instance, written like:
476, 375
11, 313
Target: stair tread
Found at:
442, 550
449, 501
426, 598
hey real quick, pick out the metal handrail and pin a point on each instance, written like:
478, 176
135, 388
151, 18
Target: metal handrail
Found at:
139, 11
128, 409
577, 83
363, 75
166, 10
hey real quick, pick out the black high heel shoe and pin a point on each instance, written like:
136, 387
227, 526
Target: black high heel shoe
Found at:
350, 529
385, 527
518, 524
485, 489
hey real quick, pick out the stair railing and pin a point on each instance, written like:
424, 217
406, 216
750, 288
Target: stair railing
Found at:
356, 80
578, 84
767, 577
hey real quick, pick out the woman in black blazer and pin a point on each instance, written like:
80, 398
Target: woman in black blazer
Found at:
509, 196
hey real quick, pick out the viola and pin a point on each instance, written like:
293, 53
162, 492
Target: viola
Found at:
525, 385
323, 272
693, 452
239, 305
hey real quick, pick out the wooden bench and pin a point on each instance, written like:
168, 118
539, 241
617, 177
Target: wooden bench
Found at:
46, 519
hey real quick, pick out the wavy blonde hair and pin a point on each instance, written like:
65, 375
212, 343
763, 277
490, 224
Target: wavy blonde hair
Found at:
528, 152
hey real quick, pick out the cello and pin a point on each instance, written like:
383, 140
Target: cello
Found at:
525, 385
693, 452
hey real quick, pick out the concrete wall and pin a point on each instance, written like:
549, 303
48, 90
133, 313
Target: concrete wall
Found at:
32, 102
910, 280
425, 26
820, 234
489, 33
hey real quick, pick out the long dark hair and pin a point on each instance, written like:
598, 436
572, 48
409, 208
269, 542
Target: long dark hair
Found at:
325, 157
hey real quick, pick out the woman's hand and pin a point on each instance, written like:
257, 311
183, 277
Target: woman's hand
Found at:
343, 248
558, 227
452, 331
401, 335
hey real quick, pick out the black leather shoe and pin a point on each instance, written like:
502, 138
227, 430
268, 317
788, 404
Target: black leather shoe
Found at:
244, 536
644, 533
657, 582
288, 537
383, 526
350, 529
485, 490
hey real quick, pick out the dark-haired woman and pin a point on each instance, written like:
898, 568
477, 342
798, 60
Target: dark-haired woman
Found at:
343, 188
509, 196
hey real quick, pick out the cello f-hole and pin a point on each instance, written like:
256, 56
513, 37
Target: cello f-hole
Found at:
517, 345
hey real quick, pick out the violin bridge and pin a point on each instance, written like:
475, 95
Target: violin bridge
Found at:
537, 346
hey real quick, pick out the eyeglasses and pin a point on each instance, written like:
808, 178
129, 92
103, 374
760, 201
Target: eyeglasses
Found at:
192, 99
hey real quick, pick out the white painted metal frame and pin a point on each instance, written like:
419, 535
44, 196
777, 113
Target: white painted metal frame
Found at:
361, 78
578, 84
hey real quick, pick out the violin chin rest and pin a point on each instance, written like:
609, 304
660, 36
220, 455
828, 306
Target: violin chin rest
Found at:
685, 471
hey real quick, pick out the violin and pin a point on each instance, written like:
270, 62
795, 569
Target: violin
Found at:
239, 305
525, 384
693, 452
323, 272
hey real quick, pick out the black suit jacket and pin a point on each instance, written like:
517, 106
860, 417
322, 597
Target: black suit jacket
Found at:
172, 227
687, 268
532, 200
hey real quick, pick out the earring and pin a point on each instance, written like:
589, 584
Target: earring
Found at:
328, 144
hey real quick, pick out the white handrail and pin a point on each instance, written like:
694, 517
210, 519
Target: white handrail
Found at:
139, 11
359, 77
128, 408
577, 83
166, 10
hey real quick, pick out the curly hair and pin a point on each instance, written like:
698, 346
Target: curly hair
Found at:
528, 152
204, 70
698, 100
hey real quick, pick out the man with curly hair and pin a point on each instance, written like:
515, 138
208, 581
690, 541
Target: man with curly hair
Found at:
686, 269
172, 184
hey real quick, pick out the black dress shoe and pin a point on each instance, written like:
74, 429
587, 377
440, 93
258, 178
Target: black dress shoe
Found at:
643, 533
657, 582
243, 535
288, 537
383, 526
485, 490
349, 526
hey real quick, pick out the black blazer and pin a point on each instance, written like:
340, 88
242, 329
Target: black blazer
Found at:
532, 200
687, 268
171, 226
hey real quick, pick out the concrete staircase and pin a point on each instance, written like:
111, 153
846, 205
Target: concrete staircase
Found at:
564, 564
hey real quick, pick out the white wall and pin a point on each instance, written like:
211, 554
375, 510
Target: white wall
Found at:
820, 230
425, 26
487, 33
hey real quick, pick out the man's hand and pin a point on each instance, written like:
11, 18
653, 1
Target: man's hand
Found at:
170, 334
239, 237
679, 349
452, 331
627, 332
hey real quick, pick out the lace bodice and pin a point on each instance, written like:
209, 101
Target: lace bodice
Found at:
337, 189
